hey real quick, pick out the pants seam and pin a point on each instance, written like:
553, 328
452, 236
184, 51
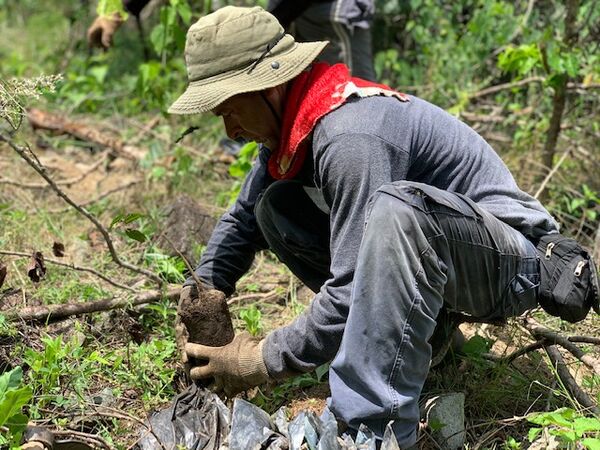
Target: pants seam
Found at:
392, 393
417, 298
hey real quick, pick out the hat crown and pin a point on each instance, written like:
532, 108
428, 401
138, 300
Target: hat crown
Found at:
231, 38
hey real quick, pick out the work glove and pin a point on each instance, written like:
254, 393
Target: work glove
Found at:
102, 30
235, 367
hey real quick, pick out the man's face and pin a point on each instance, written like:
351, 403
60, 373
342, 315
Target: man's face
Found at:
248, 116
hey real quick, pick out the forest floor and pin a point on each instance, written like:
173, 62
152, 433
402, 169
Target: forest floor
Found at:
104, 373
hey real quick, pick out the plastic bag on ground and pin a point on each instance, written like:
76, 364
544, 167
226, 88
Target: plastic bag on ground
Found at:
197, 419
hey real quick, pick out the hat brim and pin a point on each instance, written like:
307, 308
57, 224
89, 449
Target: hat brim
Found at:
205, 95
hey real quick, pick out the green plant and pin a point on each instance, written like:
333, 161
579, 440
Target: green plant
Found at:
58, 365
169, 35
252, 318
240, 168
288, 390
571, 428
169, 268
147, 367
13, 396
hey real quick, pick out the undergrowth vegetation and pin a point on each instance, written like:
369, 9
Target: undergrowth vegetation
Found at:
501, 66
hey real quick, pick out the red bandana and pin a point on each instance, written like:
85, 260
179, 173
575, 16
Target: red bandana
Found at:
312, 95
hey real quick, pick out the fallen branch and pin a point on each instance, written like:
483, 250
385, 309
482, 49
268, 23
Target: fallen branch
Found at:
91, 439
540, 332
34, 162
70, 266
505, 86
568, 381
45, 120
538, 345
54, 313
67, 182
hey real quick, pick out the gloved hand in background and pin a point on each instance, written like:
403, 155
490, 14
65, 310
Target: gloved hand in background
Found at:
235, 367
102, 30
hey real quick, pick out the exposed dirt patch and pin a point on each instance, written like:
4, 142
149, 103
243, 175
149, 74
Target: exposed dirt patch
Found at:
313, 399
187, 224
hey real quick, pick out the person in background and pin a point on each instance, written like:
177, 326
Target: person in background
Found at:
344, 23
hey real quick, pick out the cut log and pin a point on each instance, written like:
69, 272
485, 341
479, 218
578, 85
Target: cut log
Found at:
45, 120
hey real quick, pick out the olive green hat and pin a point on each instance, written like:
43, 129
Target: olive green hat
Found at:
236, 50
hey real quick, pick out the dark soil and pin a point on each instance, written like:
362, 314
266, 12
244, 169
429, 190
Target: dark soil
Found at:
207, 319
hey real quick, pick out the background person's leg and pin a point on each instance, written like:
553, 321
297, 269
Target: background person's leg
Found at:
296, 230
351, 46
420, 248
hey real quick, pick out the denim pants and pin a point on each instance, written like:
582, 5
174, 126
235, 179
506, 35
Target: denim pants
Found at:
422, 248
349, 45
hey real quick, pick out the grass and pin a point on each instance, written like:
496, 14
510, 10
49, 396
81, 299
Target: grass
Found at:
130, 356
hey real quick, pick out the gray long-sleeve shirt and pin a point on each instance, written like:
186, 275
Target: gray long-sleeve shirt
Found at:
355, 149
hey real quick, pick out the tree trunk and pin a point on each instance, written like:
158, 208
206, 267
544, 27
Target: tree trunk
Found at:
560, 94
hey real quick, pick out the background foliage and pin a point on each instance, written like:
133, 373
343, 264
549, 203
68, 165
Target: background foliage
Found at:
504, 67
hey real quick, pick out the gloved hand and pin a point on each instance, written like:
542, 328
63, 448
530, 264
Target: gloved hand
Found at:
235, 367
102, 30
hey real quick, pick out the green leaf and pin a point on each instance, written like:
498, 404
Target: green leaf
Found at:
136, 235
185, 12
476, 346
533, 433
10, 380
13, 401
562, 417
117, 219
99, 73
591, 443
158, 38
17, 423
321, 371
583, 425
132, 218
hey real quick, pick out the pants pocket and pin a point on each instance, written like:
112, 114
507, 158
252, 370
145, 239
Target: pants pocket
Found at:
430, 199
524, 288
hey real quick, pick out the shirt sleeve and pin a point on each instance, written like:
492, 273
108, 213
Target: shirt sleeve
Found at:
348, 170
236, 237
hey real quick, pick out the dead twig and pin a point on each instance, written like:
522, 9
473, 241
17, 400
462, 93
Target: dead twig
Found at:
37, 166
552, 172
256, 296
70, 266
54, 313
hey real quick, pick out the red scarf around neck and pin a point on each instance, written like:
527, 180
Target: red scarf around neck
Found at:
312, 95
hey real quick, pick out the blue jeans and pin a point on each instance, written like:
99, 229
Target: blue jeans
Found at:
422, 248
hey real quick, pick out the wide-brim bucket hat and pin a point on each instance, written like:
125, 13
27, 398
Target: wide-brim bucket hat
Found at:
236, 50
